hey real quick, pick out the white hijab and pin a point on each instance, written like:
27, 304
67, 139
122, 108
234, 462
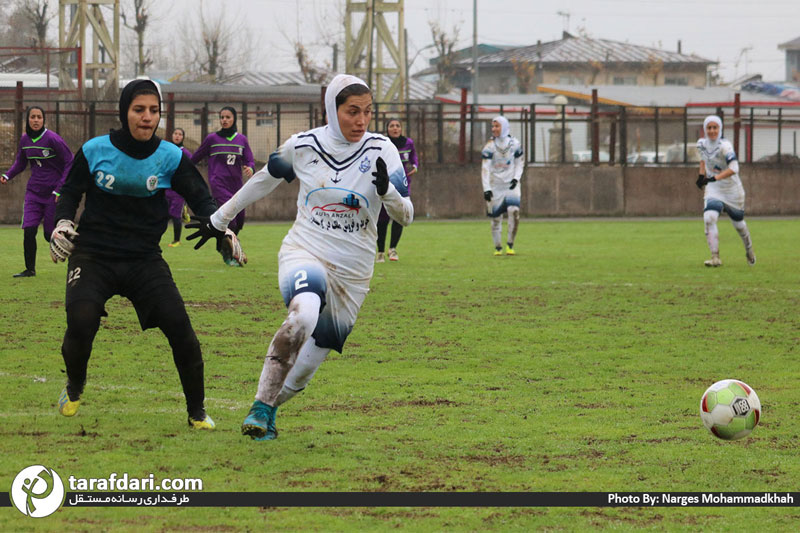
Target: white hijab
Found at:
711, 145
504, 138
334, 139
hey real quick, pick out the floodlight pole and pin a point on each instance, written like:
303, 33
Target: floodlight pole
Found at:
475, 53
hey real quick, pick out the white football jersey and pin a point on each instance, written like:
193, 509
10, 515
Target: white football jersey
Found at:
500, 166
337, 205
717, 157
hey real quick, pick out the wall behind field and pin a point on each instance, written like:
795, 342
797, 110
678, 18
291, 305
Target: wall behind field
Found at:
453, 191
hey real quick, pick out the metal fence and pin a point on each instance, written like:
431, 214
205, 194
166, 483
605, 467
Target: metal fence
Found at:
456, 133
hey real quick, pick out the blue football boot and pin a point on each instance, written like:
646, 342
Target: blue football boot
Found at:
260, 422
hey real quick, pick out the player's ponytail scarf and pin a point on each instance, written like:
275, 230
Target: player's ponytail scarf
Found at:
227, 132
332, 139
504, 138
32, 133
399, 141
122, 138
711, 145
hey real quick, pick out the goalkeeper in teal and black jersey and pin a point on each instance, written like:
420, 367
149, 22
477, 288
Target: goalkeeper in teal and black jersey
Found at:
114, 248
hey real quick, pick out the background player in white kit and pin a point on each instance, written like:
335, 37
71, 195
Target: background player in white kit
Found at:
719, 174
326, 260
501, 171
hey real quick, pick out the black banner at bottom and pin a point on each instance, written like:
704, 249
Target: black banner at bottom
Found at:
426, 499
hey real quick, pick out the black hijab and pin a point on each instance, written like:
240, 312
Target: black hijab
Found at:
32, 133
179, 145
400, 140
122, 138
227, 132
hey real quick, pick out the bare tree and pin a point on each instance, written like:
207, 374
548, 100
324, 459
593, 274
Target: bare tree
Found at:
445, 64
311, 73
212, 41
525, 71
35, 12
654, 67
141, 19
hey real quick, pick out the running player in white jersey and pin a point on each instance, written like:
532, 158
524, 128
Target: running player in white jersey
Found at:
326, 260
501, 171
719, 174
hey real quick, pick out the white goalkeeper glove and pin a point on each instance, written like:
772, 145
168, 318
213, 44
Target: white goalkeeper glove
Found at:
231, 249
61, 245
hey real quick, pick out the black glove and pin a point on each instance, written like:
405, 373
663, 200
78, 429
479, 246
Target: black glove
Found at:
701, 181
381, 180
709, 180
487, 195
513, 184
204, 231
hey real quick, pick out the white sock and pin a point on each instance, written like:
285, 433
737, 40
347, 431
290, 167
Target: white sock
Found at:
712, 233
744, 233
497, 230
286, 344
308, 361
513, 224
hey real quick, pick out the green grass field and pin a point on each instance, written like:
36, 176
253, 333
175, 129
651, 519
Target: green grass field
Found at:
577, 365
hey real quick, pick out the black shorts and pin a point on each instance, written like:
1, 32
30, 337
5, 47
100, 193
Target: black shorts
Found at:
147, 283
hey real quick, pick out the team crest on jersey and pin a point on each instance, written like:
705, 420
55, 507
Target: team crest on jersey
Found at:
336, 178
45, 152
365, 165
152, 183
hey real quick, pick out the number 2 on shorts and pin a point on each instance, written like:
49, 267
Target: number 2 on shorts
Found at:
300, 281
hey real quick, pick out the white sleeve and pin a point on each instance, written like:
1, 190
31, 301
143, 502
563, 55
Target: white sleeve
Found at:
399, 208
258, 186
519, 163
734, 165
486, 168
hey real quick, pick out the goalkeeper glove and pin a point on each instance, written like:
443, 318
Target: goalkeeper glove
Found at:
227, 242
513, 184
487, 195
231, 249
381, 180
61, 245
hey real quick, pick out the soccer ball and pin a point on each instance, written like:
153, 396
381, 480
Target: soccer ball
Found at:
730, 409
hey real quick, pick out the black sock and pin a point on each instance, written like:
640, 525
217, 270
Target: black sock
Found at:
29, 247
397, 231
382, 226
176, 229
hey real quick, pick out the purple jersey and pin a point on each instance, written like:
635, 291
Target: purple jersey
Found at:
50, 159
174, 199
408, 155
226, 158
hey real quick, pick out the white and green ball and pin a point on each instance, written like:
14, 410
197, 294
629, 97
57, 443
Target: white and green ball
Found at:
730, 409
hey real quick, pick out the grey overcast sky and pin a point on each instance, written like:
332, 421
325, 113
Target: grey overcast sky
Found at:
743, 35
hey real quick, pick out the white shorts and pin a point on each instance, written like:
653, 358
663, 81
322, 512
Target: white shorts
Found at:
502, 199
299, 271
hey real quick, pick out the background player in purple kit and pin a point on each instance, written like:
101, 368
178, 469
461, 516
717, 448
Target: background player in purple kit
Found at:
50, 159
175, 200
229, 157
408, 155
